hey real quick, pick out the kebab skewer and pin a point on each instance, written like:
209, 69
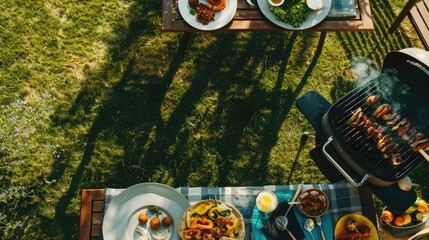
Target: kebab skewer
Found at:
385, 143
402, 127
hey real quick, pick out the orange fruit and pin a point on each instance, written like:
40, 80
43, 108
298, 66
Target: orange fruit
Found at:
407, 218
422, 206
399, 221
387, 216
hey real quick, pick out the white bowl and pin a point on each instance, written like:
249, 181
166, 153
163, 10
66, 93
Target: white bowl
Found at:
315, 4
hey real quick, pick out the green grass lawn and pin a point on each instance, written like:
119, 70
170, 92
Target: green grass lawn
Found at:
93, 95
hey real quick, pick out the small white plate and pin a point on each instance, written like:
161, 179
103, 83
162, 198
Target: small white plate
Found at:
221, 18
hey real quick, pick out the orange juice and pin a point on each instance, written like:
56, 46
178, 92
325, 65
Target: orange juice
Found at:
267, 201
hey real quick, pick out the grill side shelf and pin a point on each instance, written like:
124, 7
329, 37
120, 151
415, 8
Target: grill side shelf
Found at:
313, 106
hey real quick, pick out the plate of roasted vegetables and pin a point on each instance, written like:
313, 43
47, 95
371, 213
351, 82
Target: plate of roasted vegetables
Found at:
355, 226
212, 219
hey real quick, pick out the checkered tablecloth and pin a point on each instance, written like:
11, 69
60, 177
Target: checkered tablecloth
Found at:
343, 198
343, 9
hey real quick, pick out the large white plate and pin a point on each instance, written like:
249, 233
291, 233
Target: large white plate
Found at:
314, 18
121, 217
221, 17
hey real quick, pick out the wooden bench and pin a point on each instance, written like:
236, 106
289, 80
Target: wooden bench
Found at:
418, 13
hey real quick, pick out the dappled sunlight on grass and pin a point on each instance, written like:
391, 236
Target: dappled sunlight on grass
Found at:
127, 106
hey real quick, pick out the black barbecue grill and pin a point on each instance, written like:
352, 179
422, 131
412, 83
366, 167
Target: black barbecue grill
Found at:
403, 83
359, 150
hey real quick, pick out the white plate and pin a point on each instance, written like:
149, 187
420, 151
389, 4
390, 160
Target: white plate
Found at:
314, 18
121, 217
221, 18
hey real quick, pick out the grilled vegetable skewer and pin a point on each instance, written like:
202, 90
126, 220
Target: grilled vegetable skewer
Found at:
402, 127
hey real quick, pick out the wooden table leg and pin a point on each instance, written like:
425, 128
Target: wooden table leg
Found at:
185, 41
367, 202
321, 42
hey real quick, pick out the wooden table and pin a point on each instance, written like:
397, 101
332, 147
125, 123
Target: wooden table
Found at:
250, 18
91, 213
92, 208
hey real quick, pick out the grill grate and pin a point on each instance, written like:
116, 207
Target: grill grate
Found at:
363, 151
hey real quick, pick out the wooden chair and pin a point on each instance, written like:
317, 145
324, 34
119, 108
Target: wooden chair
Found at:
418, 13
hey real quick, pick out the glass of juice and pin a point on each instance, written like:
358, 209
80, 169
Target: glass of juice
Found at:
267, 201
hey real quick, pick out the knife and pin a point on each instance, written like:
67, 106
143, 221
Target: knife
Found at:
298, 191
250, 2
319, 222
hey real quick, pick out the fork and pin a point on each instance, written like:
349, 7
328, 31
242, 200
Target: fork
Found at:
319, 222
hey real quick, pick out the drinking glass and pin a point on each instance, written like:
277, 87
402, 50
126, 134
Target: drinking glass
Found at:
266, 202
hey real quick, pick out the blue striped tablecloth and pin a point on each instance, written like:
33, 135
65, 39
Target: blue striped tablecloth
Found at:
343, 9
343, 198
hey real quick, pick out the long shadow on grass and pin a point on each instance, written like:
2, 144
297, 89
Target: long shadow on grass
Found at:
209, 76
240, 114
86, 100
227, 70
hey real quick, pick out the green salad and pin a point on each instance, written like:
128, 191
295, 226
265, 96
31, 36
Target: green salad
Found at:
293, 12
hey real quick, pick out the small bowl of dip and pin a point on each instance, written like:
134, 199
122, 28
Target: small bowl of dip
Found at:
275, 3
315, 4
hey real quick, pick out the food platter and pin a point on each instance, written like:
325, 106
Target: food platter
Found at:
314, 18
211, 215
341, 229
221, 18
121, 217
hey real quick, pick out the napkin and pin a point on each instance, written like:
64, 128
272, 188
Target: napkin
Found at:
343, 8
270, 229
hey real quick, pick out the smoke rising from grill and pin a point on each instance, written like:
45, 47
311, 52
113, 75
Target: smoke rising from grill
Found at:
403, 86
365, 70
